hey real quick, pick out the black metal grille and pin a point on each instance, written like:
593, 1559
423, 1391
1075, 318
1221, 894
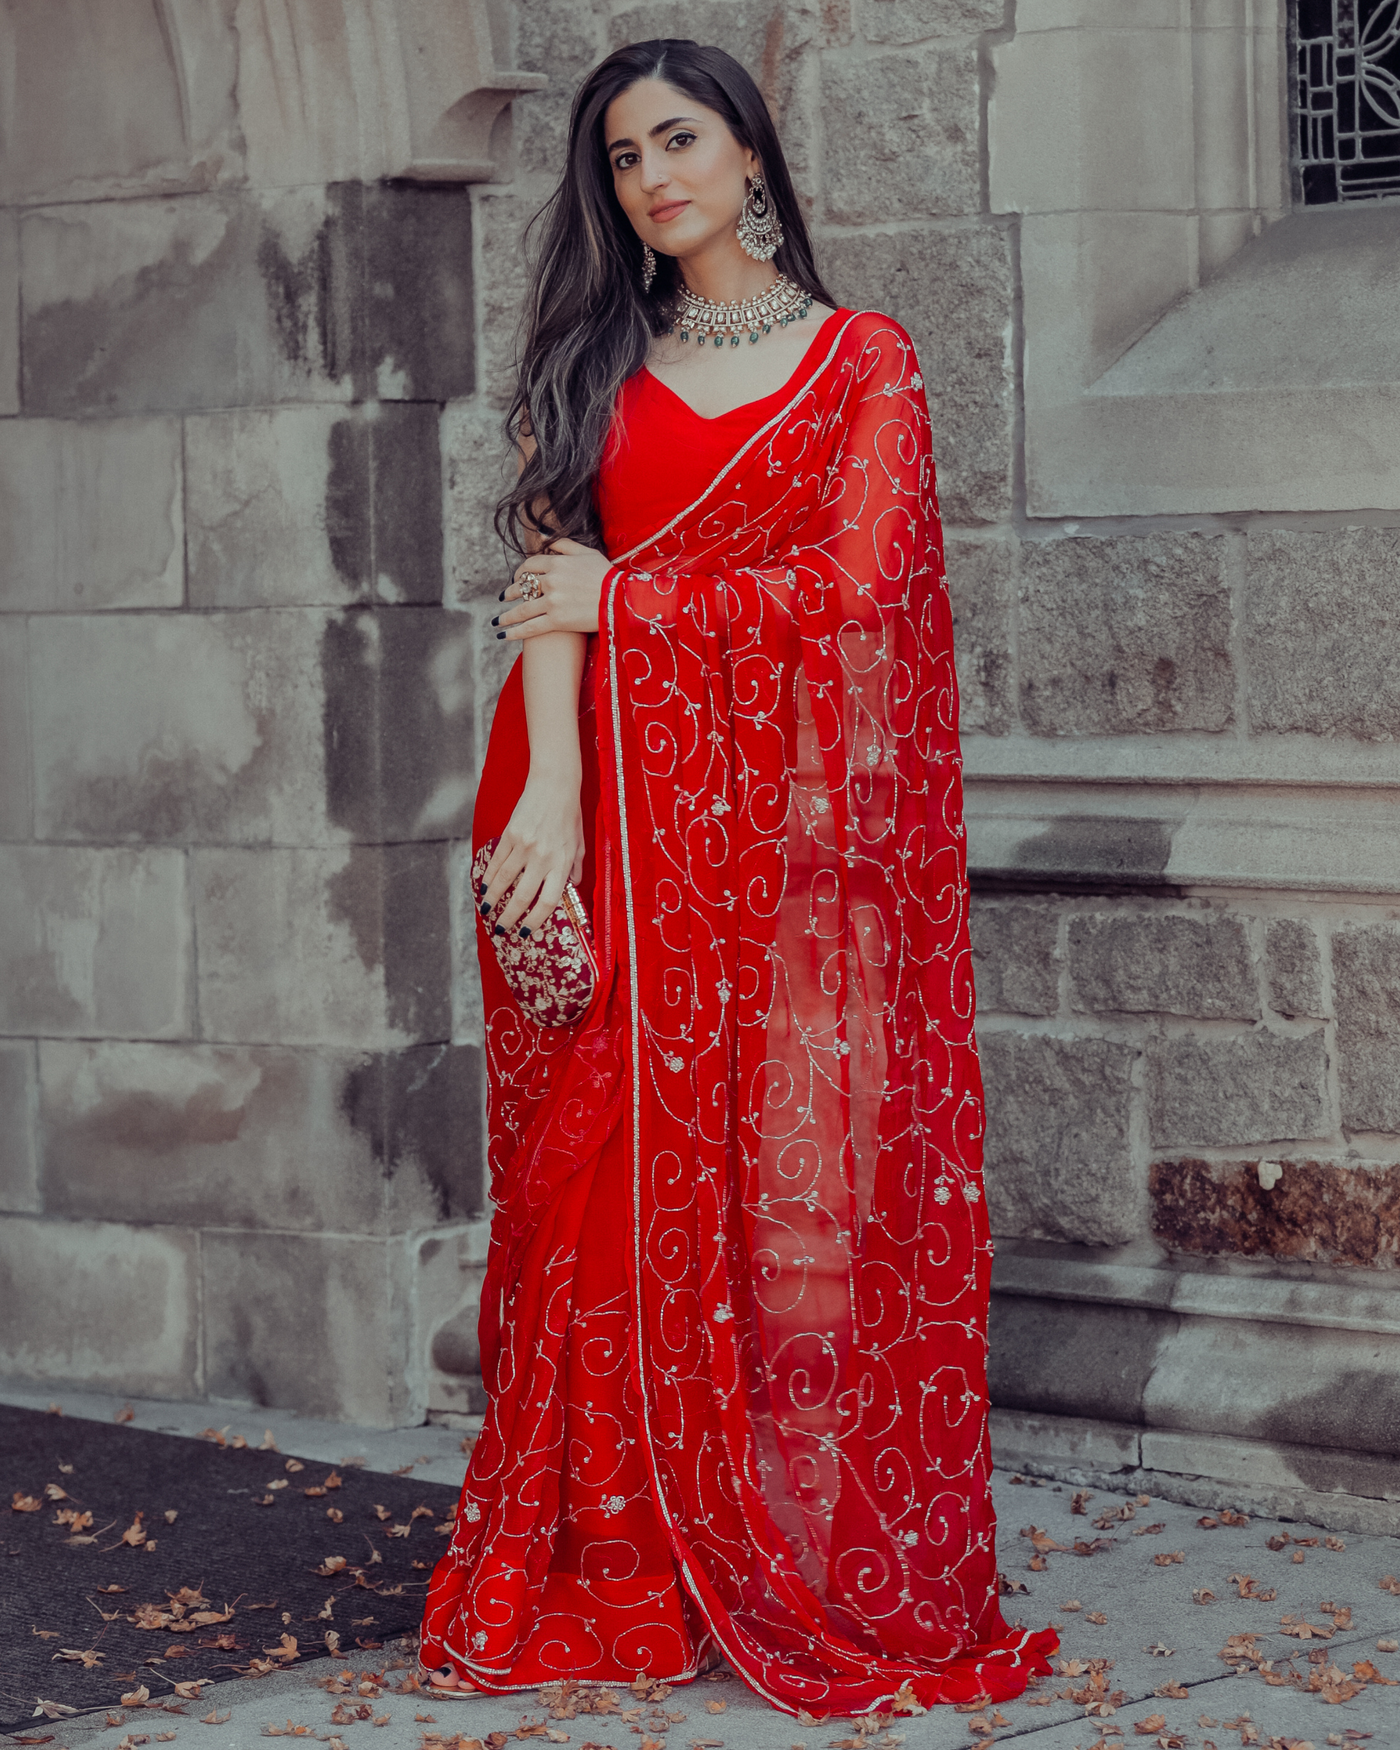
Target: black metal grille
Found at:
1345, 66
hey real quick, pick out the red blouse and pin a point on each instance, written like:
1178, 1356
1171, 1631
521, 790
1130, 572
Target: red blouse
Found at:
648, 475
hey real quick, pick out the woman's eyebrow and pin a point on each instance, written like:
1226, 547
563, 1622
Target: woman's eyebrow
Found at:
660, 128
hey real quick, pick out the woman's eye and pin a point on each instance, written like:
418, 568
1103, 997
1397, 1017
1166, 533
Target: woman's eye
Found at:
682, 139
624, 160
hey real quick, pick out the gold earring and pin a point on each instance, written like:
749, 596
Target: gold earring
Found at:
760, 234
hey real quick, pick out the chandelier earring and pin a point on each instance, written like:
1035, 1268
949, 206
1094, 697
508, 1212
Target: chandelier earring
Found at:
648, 266
760, 234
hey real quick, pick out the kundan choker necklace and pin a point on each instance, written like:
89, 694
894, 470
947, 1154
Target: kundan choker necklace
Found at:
702, 319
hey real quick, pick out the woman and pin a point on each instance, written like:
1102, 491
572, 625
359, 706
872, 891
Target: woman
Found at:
734, 1314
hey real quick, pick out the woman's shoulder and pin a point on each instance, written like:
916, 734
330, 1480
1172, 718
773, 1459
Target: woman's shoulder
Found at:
872, 327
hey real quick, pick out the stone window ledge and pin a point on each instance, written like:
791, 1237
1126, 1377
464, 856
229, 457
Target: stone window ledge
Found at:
1045, 833
1335, 1306
1309, 304
1273, 386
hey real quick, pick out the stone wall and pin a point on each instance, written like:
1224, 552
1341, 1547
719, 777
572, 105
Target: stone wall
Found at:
244, 687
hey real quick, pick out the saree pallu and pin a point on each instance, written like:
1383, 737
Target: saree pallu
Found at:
734, 1321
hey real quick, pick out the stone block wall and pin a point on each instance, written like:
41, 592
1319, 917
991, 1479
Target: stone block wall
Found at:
238, 741
249, 444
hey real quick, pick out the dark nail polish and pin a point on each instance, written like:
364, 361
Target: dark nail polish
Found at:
501, 597
496, 621
500, 634
485, 909
525, 931
496, 930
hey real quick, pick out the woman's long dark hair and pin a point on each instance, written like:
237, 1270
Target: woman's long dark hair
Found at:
588, 324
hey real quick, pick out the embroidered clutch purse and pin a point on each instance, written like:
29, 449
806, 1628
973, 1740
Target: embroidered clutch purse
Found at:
553, 972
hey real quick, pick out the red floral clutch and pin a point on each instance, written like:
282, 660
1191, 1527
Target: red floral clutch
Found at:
552, 973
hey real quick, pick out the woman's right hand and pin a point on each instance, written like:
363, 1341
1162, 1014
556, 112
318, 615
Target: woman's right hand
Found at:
539, 851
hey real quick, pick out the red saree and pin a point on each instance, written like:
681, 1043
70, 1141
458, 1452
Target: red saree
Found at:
733, 1326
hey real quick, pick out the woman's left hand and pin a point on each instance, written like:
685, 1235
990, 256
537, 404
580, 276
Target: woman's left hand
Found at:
570, 589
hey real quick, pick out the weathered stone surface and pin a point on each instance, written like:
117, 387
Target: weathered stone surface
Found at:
1058, 1163
260, 1137
770, 39
314, 504
980, 577
305, 1322
953, 291
503, 290
1125, 635
1293, 964
446, 1276
1149, 962
413, 246
323, 947
118, 98
1104, 1356
14, 728
1213, 1090
1366, 990
91, 513
901, 136
179, 727
399, 686
562, 40
9, 313
1013, 956
1331, 1212
476, 461
1279, 1381
230, 300
93, 943
19, 1184
912, 21
1323, 621
99, 1304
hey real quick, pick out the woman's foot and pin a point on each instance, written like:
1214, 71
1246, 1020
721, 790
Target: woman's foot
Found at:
444, 1677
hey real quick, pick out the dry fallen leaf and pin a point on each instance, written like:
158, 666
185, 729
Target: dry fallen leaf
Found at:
1305, 1631
1388, 1646
89, 1659
1096, 1616
1389, 1583
1153, 1723
136, 1697
125, 1414
1334, 1543
22, 1503
1152, 1530
715, 1707
1202, 1595
1165, 1558
1071, 1605
216, 1718
1177, 1691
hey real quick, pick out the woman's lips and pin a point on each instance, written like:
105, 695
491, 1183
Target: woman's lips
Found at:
669, 211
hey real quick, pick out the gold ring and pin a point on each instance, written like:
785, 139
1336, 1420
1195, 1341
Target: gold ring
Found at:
531, 586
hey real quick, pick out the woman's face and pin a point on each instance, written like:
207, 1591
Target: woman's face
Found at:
678, 171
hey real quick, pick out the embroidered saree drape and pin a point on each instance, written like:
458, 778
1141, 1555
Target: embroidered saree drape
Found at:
735, 1307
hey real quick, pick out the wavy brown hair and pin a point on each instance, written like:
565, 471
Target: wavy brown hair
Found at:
588, 324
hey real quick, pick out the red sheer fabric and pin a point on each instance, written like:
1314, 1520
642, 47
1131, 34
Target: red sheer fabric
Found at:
733, 1328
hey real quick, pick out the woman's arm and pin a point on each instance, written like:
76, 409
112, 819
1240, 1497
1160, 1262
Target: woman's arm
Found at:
542, 846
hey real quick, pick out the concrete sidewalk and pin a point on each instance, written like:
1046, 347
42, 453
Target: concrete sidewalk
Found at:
1123, 1603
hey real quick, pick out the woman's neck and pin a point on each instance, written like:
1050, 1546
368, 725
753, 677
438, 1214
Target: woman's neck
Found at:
726, 275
